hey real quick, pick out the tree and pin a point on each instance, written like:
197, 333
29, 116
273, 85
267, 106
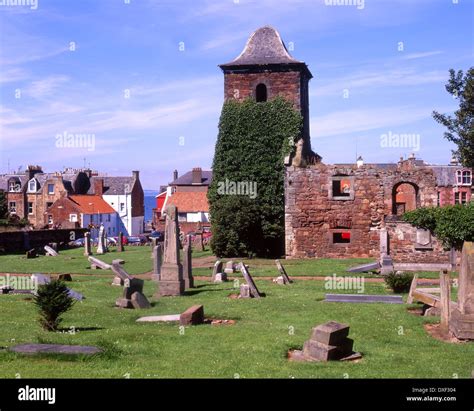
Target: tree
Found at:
452, 224
52, 300
253, 140
3, 205
461, 126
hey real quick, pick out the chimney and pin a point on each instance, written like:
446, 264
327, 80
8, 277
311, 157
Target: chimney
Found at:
197, 175
98, 186
32, 170
175, 175
136, 174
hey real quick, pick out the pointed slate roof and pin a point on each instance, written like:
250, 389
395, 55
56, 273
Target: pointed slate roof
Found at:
264, 47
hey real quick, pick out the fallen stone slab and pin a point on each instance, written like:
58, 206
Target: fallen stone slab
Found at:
55, 349
50, 251
159, 318
363, 298
74, 294
192, 316
96, 263
363, 268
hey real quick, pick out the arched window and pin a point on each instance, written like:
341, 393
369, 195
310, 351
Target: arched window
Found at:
404, 198
261, 93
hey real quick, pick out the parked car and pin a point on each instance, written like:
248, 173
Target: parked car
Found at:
159, 235
79, 242
137, 240
124, 239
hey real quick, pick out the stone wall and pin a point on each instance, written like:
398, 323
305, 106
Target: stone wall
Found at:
322, 222
20, 241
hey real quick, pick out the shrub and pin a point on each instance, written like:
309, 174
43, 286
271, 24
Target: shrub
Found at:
399, 282
452, 224
52, 300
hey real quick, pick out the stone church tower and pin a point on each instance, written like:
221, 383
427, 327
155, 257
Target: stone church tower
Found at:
265, 70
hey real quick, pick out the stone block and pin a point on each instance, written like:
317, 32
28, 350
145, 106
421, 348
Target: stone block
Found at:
322, 352
192, 316
139, 301
330, 333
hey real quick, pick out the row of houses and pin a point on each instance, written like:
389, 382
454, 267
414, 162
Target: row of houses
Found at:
76, 198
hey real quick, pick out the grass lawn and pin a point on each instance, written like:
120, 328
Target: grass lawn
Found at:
138, 261
255, 346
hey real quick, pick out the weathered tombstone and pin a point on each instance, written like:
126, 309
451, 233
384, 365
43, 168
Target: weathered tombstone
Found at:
31, 253
198, 241
445, 288
96, 263
101, 244
386, 265
244, 291
50, 251
229, 267
216, 270
461, 322
249, 280
131, 285
281, 269
139, 301
188, 265
54, 246
193, 315
171, 281
157, 257
87, 244
328, 342
383, 242
120, 242
220, 278
64, 277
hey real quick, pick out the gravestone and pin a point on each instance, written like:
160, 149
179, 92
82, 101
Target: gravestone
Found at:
188, 265
461, 322
120, 242
244, 291
386, 265
50, 251
55, 349
87, 244
328, 342
229, 267
54, 246
281, 269
31, 253
216, 270
384, 242
64, 277
249, 280
139, 301
96, 263
198, 241
192, 316
220, 278
131, 285
171, 281
101, 244
157, 257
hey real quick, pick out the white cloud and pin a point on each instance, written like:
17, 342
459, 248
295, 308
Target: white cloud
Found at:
413, 56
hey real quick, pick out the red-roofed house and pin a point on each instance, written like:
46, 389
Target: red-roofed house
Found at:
189, 194
83, 211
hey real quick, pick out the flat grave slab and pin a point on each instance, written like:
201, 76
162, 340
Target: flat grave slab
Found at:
159, 318
55, 349
364, 267
363, 298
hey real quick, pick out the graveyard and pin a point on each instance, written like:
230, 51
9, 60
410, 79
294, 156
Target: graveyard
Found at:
237, 338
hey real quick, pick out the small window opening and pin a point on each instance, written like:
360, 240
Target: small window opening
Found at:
341, 238
261, 93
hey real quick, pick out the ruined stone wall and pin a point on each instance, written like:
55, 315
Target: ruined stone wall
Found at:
313, 214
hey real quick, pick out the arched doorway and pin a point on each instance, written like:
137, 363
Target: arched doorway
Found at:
404, 198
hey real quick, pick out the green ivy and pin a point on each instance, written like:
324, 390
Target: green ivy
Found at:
253, 140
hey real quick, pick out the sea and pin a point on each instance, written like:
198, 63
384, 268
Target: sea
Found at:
150, 203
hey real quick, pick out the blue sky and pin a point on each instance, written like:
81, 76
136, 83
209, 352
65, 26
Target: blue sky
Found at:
141, 76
